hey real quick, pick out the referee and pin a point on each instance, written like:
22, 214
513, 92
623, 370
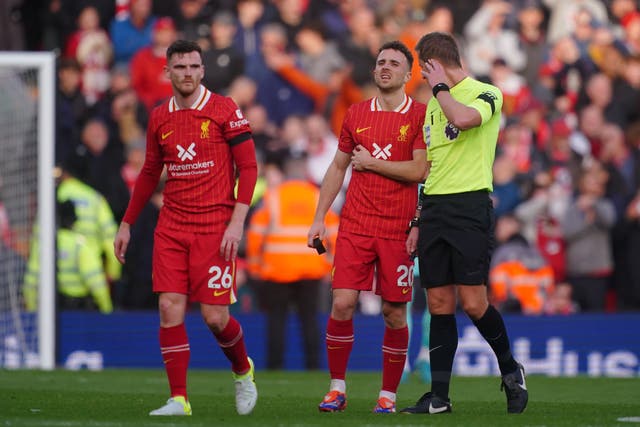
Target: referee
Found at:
456, 224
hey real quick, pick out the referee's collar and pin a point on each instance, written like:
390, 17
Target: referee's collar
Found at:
402, 108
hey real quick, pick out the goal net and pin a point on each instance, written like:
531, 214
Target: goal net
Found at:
27, 81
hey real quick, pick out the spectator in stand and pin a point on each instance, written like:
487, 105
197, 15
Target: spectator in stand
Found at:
288, 272
623, 167
621, 11
133, 32
360, 44
222, 60
563, 12
533, 40
121, 108
134, 159
586, 227
614, 64
58, 20
321, 75
520, 279
247, 39
243, 91
97, 157
278, 96
264, 131
488, 39
622, 163
318, 57
587, 137
533, 121
193, 20
506, 193
71, 109
560, 302
559, 71
631, 32
629, 287
148, 76
514, 87
91, 47
291, 15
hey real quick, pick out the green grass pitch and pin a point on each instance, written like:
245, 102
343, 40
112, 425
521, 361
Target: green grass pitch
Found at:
119, 397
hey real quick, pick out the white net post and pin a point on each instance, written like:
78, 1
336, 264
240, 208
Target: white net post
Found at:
20, 337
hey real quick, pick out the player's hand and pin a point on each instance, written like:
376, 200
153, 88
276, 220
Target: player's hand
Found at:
412, 241
121, 242
361, 158
231, 241
433, 72
317, 230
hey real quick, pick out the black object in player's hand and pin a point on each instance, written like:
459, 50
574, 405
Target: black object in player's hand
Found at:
317, 243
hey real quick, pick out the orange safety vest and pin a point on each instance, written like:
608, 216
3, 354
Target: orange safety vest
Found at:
277, 237
512, 279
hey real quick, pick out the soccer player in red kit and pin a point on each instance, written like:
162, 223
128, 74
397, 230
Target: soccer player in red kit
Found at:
381, 139
204, 141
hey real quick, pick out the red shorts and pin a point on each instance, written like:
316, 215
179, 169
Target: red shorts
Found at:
191, 264
358, 257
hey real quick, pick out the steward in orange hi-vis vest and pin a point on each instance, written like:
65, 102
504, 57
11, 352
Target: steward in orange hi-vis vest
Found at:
277, 237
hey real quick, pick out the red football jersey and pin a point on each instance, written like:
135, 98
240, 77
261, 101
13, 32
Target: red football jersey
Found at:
195, 146
376, 205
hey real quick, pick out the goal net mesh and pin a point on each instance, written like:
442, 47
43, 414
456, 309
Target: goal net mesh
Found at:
19, 98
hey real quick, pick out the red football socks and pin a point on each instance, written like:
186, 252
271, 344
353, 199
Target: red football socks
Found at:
394, 353
231, 341
339, 342
174, 346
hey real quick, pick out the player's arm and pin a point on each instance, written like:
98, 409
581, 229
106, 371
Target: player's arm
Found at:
414, 170
331, 185
244, 156
145, 186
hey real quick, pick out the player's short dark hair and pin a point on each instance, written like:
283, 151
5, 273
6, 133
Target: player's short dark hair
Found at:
182, 47
440, 46
400, 47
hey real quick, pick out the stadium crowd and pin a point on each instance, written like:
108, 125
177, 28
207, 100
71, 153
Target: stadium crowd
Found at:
567, 169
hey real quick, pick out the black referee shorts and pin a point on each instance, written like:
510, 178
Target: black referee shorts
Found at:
456, 239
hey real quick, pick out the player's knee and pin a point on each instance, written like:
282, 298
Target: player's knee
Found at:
342, 309
475, 309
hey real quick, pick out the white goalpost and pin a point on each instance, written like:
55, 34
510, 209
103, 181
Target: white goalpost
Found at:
27, 200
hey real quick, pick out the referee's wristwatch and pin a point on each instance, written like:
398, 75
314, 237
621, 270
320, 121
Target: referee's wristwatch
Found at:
415, 222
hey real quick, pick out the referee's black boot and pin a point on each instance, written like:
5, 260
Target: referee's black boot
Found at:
515, 388
429, 403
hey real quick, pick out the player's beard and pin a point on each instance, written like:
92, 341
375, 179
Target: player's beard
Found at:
390, 88
187, 90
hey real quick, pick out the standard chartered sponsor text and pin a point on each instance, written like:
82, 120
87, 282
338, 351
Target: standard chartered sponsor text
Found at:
190, 168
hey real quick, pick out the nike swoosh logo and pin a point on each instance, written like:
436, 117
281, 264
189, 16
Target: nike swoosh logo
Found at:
433, 410
166, 135
396, 360
333, 348
360, 130
405, 290
218, 293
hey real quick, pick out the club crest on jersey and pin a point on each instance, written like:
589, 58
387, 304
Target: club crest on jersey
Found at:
451, 132
204, 129
404, 129
188, 153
